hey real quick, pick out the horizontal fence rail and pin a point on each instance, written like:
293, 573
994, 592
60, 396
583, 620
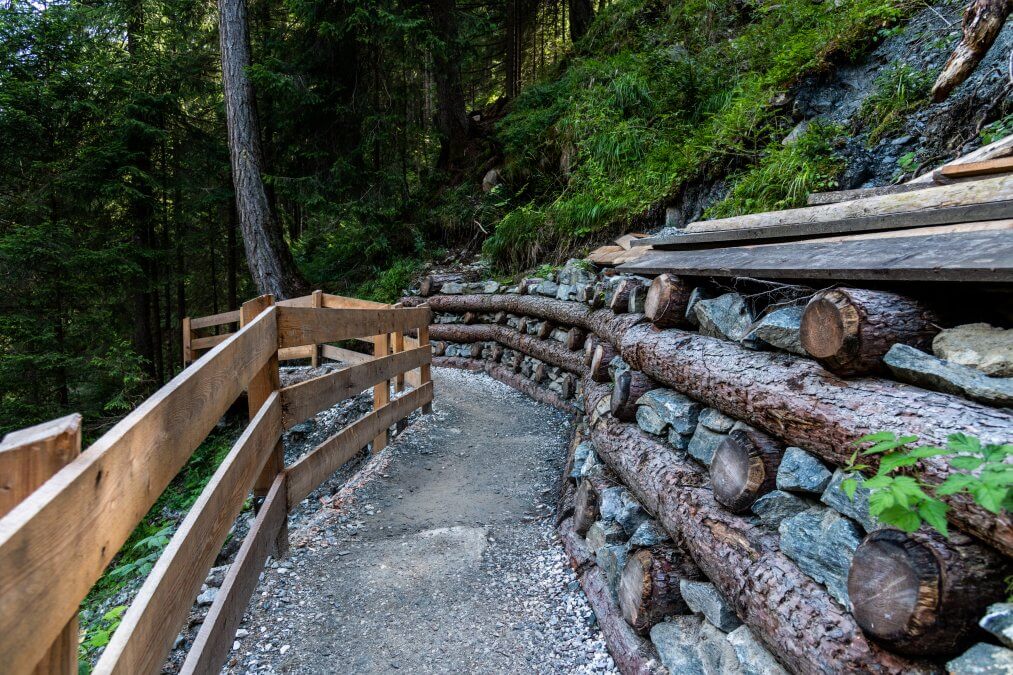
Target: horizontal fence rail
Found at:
74, 511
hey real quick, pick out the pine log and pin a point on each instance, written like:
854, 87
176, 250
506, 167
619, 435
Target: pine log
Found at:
922, 595
433, 283
587, 502
545, 329
795, 400
496, 353
850, 329
744, 468
590, 344
633, 655
603, 355
469, 317
575, 338
543, 350
649, 586
667, 299
620, 300
539, 374
630, 385
509, 378
794, 617
983, 20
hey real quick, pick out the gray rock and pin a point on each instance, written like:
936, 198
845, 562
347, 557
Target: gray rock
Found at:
977, 345
676, 411
564, 292
604, 533
619, 504
489, 286
775, 506
781, 329
216, 576
801, 471
822, 543
703, 598
858, 509
998, 621
725, 317
207, 597
547, 288
649, 421
704, 443
673, 217
611, 560
592, 466
650, 533
754, 659
795, 133
576, 271
715, 420
924, 370
676, 640
695, 296
452, 288
716, 653
580, 454
982, 659
616, 366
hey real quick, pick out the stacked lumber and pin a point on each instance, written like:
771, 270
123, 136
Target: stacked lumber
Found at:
703, 508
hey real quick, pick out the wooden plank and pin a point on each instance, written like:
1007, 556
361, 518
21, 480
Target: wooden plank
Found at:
425, 372
626, 240
399, 347
188, 354
413, 378
985, 168
302, 301
817, 198
968, 256
215, 319
318, 301
341, 302
214, 640
293, 353
1001, 148
305, 325
997, 190
154, 618
604, 255
304, 400
344, 355
209, 342
55, 544
315, 467
381, 392
28, 458
984, 226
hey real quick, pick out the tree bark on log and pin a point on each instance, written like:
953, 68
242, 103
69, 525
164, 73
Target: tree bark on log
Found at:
620, 300
667, 300
922, 595
797, 401
795, 617
744, 468
509, 378
630, 385
649, 586
849, 330
983, 21
633, 655
543, 350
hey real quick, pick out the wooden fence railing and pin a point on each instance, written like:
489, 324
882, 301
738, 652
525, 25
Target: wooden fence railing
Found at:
61, 533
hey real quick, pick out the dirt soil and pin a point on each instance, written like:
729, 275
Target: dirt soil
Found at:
439, 556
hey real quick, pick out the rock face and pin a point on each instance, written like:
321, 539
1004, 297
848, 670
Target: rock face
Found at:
781, 328
715, 420
704, 443
619, 504
676, 639
982, 659
977, 345
822, 542
725, 317
924, 370
703, 598
999, 622
776, 506
858, 509
800, 471
753, 658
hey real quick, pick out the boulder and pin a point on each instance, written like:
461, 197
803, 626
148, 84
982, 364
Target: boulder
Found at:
580, 454
678, 412
726, 316
781, 329
977, 345
822, 543
452, 288
775, 506
564, 292
697, 295
998, 621
754, 659
676, 640
547, 288
982, 659
576, 271
649, 421
801, 471
491, 180
489, 286
592, 466
650, 533
704, 443
619, 504
703, 598
924, 370
715, 420
716, 653
604, 533
611, 560
857, 508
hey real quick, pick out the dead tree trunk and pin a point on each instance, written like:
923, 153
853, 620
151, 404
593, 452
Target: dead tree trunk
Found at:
667, 300
849, 330
744, 468
983, 20
922, 595
649, 586
270, 260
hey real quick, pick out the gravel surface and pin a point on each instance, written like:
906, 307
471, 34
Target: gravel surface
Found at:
437, 556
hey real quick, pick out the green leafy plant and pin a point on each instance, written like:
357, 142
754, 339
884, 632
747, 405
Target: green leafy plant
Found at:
898, 91
908, 162
899, 497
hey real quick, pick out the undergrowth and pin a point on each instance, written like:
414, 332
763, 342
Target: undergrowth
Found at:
898, 91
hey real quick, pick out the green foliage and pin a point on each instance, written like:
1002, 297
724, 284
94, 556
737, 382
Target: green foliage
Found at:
997, 130
898, 91
898, 496
785, 175
389, 285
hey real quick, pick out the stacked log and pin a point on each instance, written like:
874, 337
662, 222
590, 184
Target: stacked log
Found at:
744, 468
600, 360
667, 300
649, 587
630, 385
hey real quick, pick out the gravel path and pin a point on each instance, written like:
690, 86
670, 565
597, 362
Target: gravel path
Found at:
439, 557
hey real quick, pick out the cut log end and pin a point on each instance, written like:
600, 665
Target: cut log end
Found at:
744, 468
603, 355
630, 385
649, 587
585, 507
825, 325
667, 299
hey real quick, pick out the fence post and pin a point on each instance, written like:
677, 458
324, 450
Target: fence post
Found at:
399, 347
381, 392
318, 301
187, 337
28, 458
261, 386
425, 371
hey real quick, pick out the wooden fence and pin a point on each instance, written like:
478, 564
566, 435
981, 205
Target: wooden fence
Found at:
60, 534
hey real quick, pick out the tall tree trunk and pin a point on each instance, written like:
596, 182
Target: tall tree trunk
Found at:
270, 260
581, 15
452, 119
232, 267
